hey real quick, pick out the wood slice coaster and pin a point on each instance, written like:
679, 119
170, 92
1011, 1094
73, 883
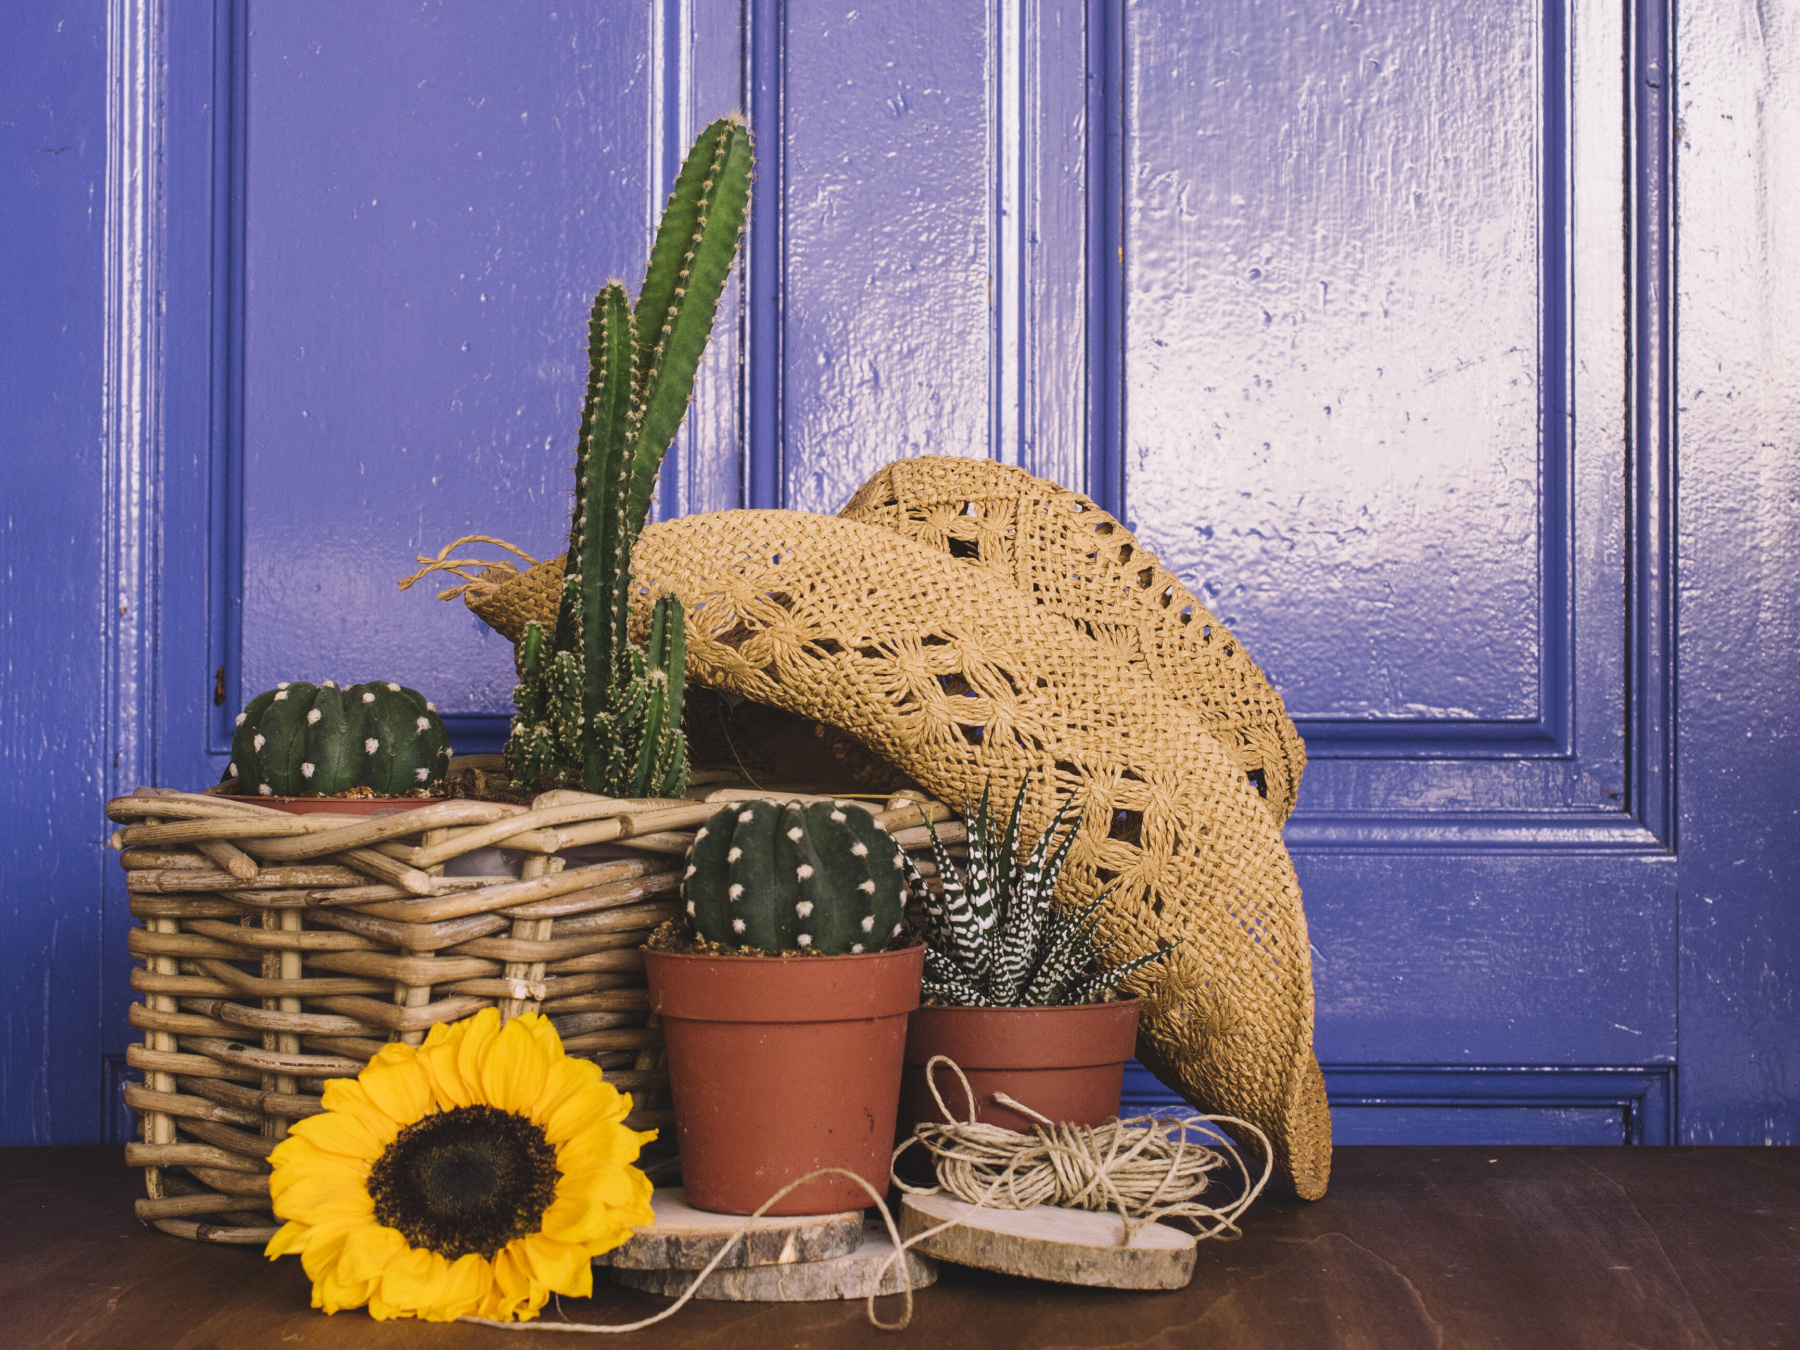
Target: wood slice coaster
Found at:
852, 1276
685, 1238
1068, 1246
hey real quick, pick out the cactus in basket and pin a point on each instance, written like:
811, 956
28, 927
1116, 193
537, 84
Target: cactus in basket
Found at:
594, 709
996, 938
826, 878
304, 740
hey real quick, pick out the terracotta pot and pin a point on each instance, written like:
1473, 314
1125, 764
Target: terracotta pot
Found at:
779, 1065
343, 806
1065, 1063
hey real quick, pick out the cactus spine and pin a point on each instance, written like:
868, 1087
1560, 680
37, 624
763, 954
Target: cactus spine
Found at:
825, 878
593, 708
308, 740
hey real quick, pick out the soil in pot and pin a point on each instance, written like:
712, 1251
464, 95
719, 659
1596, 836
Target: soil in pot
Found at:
1067, 1063
779, 1065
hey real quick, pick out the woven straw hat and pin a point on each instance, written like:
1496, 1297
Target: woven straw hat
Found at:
972, 624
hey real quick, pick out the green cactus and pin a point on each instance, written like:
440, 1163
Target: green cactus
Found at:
826, 878
594, 709
317, 740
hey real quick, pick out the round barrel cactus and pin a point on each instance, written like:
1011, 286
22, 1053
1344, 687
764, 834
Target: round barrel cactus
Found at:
824, 877
305, 740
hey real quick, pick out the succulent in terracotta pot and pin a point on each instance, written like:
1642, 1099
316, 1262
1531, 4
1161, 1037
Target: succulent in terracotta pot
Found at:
1017, 990
784, 1008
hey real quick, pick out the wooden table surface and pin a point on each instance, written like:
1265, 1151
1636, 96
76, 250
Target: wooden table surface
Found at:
1535, 1248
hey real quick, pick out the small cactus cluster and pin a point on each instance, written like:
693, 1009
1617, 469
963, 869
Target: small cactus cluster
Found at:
594, 709
317, 740
996, 937
825, 878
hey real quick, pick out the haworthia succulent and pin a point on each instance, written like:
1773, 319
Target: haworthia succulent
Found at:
995, 935
825, 877
594, 710
301, 739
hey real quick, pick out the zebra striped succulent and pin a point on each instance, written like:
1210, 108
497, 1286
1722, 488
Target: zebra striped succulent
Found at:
996, 937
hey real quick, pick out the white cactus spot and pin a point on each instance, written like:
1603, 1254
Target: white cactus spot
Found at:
690, 907
795, 833
690, 872
839, 816
745, 817
868, 923
896, 932
735, 854
867, 888
430, 707
859, 849
257, 741
306, 770
394, 688
804, 909
264, 790
331, 684
899, 861
282, 685
371, 745
231, 768
421, 774
804, 871
368, 697
737, 925
805, 939
281, 697
736, 892
240, 719
700, 834
423, 724
856, 948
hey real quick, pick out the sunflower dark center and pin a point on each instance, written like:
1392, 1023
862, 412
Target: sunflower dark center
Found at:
467, 1180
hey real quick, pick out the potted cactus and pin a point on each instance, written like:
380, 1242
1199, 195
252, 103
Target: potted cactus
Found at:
784, 1001
317, 747
596, 711
1016, 989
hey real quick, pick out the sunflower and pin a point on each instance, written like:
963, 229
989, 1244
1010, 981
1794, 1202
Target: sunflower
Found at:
473, 1175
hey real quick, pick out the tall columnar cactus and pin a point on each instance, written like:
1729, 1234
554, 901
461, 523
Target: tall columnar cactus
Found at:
593, 708
304, 740
770, 878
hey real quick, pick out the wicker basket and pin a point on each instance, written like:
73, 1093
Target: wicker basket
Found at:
280, 951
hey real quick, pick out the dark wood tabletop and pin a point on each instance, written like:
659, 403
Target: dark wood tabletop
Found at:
1535, 1248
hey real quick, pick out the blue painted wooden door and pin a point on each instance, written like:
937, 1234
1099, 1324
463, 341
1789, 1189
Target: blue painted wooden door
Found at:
1361, 314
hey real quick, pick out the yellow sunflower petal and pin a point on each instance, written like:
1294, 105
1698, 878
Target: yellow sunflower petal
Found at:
331, 1294
351, 1098
324, 1245
412, 1285
514, 1068
594, 1104
289, 1238
478, 1036
397, 1083
514, 1293
367, 1251
567, 1076
340, 1132
439, 1055
470, 1279
564, 1267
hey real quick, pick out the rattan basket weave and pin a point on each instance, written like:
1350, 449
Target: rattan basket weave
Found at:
279, 951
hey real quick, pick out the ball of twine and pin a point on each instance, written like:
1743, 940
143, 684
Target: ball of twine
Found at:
1143, 1169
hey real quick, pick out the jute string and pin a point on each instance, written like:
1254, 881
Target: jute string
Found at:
1143, 1169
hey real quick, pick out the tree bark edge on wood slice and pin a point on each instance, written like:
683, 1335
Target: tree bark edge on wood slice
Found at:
838, 1277
685, 1238
1065, 1246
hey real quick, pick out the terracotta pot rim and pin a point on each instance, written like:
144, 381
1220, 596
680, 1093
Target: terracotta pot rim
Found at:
701, 987
1072, 1036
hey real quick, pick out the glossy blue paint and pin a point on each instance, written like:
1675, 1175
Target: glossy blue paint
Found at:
333, 319
55, 572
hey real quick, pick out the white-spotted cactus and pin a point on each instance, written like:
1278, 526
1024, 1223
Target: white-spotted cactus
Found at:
593, 709
825, 878
311, 740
